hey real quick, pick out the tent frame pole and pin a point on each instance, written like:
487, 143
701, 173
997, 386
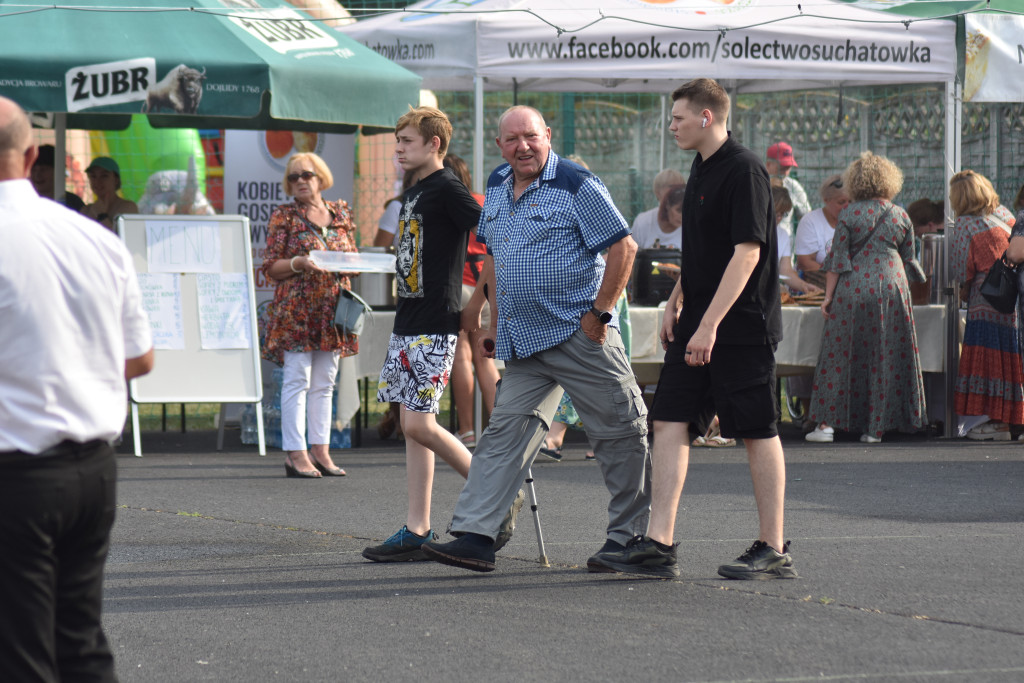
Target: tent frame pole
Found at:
478, 134
954, 117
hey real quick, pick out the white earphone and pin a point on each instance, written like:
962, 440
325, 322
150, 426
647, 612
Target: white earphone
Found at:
704, 123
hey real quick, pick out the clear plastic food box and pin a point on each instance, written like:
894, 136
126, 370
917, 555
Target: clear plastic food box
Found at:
354, 262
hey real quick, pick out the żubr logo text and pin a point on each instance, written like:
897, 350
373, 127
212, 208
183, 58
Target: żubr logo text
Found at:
98, 85
283, 30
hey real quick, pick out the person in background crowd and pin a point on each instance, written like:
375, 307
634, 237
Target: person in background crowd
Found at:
105, 181
814, 233
468, 354
782, 202
646, 228
927, 216
1015, 256
73, 331
812, 244
1018, 201
780, 163
301, 334
990, 381
719, 331
868, 377
546, 221
43, 180
387, 226
670, 220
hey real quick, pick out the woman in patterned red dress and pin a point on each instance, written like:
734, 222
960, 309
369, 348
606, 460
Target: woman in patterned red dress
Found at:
300, 330
868, 377
990, 381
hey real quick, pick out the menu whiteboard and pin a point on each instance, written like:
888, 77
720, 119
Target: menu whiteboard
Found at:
206, 266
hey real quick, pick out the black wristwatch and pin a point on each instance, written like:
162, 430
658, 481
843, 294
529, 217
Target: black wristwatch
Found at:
604, 316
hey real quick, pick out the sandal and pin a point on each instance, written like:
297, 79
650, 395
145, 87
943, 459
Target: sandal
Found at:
468, 438
590, 456
552, 453
699, 441
719, 441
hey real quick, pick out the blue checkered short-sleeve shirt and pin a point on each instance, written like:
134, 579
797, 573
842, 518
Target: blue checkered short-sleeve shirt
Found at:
546, 247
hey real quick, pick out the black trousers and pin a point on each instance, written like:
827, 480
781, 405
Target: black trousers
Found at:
56, 512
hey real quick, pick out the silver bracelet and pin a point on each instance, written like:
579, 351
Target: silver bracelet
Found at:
292, 264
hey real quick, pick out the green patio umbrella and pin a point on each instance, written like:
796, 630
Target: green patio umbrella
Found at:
241, 64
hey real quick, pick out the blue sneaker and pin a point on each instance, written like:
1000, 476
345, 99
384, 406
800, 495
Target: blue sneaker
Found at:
403, 546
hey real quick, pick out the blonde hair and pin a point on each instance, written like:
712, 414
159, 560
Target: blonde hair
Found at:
972, 194
872, 176
319, 165
666, 178
831, 186
431, 123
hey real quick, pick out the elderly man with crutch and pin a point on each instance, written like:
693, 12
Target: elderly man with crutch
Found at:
545, 222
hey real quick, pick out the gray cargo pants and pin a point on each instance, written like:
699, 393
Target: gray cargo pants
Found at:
605, 394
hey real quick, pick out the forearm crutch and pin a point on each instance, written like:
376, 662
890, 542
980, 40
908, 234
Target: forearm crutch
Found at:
536, 518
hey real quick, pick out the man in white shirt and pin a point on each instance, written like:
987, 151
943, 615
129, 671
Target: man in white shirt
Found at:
73, 331
645, 226
780, 163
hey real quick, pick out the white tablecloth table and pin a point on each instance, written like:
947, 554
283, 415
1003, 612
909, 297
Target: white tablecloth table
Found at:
797, 354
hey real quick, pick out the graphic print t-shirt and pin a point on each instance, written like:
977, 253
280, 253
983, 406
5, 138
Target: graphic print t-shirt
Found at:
437, 215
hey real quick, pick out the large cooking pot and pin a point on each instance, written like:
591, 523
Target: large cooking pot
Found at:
378, 289
933, 262
649, 283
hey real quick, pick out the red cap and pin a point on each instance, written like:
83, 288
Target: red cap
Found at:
782, 153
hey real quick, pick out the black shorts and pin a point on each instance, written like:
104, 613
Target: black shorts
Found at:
738, 384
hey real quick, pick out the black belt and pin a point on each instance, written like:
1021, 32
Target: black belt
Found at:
65, 447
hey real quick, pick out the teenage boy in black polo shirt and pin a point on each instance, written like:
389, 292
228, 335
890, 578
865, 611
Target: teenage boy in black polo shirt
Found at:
719, 348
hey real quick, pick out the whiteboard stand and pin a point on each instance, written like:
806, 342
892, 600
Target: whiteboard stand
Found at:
194, 374
259, 426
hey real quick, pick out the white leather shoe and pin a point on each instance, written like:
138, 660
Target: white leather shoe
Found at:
820, 435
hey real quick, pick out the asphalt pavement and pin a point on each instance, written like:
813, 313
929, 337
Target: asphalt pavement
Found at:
909, 554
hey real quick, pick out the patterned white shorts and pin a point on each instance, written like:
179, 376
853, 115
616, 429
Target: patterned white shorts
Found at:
416, 371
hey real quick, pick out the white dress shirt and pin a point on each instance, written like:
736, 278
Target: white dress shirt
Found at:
70, 314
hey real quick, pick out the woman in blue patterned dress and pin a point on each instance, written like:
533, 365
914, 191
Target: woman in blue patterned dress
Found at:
868, 377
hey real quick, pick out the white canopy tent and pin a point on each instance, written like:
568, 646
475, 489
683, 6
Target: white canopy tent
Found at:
654, 45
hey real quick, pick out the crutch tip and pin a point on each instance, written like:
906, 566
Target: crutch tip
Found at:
544, 561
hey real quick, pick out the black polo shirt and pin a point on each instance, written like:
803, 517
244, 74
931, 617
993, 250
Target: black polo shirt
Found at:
728, 201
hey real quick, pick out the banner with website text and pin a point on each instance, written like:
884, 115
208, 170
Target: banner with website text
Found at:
801, 49
637, 45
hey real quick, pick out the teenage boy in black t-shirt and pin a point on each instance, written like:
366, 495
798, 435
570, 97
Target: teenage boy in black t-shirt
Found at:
720, 347
437, 214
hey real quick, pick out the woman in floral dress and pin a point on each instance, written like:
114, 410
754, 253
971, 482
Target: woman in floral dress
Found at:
990, 381
300, 329
868, 377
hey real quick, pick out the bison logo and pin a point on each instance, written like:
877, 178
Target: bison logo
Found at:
180, 91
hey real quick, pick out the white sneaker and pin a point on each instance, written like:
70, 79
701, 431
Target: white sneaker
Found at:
820, 435
990, 431
867, 438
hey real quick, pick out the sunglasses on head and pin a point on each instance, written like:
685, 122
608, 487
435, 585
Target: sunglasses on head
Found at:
305, 175
838, 184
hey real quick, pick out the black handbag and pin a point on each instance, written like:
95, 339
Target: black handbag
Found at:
1000, 286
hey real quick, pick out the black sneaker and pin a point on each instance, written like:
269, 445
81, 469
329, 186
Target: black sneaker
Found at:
508, 524
469, 551
403, 546
640, 556
608, 547
760, 562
